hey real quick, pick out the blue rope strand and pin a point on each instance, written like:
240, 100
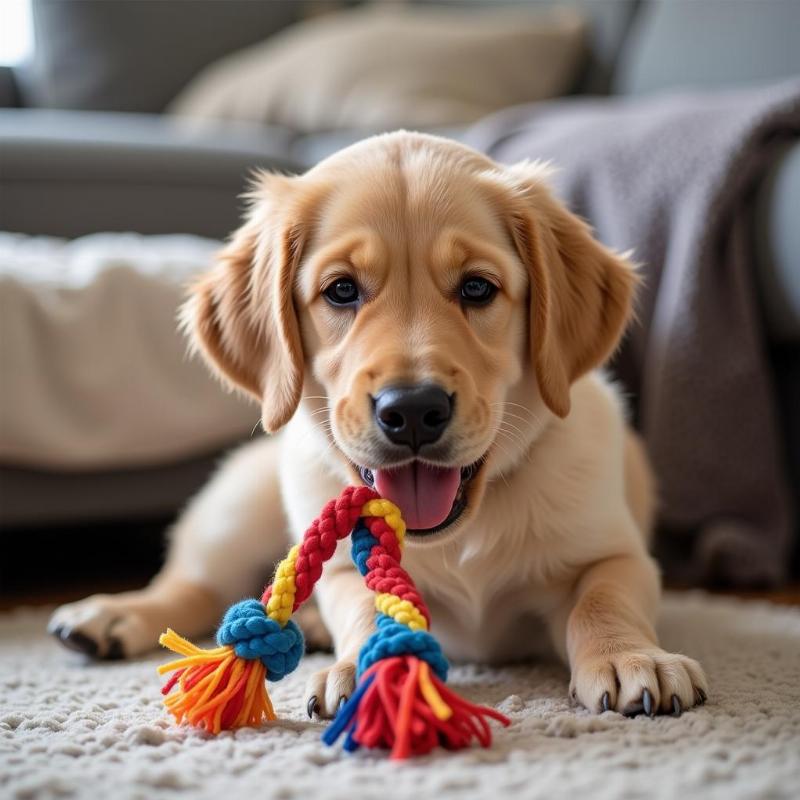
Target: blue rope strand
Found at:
361, 543
346, 713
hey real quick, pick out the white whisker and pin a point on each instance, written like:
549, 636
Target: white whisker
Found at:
518, 417
515, 405
505, 452
535, 419
516, 438
512, 425
525, 451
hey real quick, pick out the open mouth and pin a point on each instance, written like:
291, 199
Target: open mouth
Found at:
431, 497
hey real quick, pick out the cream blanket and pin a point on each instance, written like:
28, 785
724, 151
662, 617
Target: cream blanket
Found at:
93, 373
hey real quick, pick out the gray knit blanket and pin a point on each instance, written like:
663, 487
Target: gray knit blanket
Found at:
673, 178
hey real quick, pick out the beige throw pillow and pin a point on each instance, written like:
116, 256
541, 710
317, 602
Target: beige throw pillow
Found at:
391, 67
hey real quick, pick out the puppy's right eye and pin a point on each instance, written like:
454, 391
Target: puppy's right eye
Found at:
342, 292
477, 291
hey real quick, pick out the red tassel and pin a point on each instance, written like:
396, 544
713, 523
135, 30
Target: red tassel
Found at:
403, 706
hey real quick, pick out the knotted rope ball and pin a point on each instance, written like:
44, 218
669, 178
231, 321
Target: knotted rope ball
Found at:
253, 634
400, 701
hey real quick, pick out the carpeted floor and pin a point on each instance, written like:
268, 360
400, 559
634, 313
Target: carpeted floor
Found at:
72, 729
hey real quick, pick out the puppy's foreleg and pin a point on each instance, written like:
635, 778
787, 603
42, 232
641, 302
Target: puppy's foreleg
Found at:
222, 548
348, 609
606, 630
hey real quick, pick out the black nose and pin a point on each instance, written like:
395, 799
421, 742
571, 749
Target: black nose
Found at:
413, 415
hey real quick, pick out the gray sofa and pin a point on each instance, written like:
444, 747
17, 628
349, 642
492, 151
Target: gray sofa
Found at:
84, 148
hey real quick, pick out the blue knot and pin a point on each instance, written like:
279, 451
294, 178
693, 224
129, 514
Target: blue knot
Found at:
253, 635
361, 543
394, 639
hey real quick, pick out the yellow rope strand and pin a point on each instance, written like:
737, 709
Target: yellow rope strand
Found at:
391, 515
402, 611
194, 654
281, 600
438, 706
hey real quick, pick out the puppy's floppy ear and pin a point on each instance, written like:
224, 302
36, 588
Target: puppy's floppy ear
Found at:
241, 315
580, 291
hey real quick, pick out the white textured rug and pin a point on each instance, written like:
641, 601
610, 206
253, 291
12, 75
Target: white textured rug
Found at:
72, 729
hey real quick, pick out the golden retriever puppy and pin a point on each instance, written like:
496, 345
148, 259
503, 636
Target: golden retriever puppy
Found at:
417, 317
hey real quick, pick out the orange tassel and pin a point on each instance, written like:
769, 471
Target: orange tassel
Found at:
216, 689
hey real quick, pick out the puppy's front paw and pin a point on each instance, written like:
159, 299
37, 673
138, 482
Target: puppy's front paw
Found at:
102, 627
638, 681
327, 689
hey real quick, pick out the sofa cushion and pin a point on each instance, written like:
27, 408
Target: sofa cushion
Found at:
608, 22
130, 55
95, 373
393, 66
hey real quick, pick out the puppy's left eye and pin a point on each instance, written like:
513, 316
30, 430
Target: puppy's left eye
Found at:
477, 291
342, 292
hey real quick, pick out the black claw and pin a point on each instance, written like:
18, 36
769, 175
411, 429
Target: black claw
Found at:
676, 706
701, 695
606, 701
342, 701
312, 707
77, 641
647, 702
115, 651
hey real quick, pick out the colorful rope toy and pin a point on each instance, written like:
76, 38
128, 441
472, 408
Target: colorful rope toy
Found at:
400, 701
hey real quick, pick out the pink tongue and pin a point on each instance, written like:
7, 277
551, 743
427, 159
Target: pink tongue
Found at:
423, 493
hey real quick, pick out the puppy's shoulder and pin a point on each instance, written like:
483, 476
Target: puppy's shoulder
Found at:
599, 402
574, 482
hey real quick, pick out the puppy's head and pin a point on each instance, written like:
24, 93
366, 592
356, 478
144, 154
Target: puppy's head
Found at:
438, 304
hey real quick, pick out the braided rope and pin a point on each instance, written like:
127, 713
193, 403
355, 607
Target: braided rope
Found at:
264, 631
401, 667
298, 573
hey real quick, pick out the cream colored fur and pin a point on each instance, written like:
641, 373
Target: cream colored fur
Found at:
552, 550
